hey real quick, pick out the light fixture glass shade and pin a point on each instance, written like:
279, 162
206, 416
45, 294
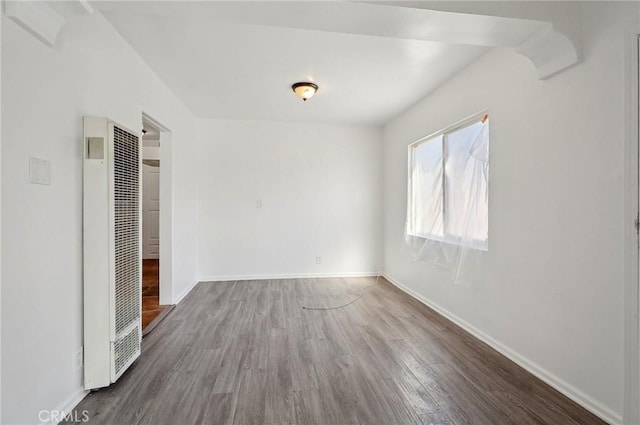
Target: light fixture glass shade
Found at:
304, 90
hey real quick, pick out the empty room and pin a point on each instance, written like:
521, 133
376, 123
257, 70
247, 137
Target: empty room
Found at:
319, 212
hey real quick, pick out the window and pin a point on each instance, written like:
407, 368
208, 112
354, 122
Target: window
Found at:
448, 185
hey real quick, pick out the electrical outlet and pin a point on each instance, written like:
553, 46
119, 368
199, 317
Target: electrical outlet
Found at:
78, 359
318, 260
259, 203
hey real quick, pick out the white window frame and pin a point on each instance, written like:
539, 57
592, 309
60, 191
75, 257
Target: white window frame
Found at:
410, 189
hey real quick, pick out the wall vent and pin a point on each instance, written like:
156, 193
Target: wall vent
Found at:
112, 251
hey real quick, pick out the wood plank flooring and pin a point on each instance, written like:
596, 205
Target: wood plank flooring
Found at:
151, 307
247, 353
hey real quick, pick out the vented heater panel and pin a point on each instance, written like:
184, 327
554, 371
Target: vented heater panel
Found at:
112, 251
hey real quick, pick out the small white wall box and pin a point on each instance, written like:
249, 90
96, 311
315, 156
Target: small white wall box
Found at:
39, 171
112, 251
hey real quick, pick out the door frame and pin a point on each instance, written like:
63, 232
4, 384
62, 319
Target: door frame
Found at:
632, 187
166, 251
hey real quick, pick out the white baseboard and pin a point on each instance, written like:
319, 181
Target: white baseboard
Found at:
67, 406
185, 292
595, 407
287, 276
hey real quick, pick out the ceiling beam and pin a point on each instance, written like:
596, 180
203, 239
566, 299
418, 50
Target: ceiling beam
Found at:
529, 28
551, 50
37, 18
43, 19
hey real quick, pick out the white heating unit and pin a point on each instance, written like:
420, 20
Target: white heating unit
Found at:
112, 251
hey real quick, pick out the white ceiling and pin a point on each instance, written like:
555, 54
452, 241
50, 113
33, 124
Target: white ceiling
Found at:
238, 59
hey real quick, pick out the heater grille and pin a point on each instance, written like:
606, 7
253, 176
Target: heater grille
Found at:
125, 349
127, 230
112, 246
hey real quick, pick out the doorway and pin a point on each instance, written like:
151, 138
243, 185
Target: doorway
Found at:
153, 311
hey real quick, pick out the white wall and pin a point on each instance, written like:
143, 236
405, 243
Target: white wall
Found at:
1, 25
320, 187
46, 92
554, 296
556, 195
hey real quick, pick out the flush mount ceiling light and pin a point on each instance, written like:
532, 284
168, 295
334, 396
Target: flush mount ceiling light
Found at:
304, 90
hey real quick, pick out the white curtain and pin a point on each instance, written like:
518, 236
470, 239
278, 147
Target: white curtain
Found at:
447, 210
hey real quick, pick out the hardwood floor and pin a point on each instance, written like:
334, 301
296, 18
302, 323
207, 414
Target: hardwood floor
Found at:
151, 307
247, 353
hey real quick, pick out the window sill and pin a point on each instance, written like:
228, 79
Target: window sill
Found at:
476, 245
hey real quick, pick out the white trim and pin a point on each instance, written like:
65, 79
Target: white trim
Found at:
595, 407
165, 253
465, 122
631, 316
165, 205
155, 123
70, 403
186, 291
286, 276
